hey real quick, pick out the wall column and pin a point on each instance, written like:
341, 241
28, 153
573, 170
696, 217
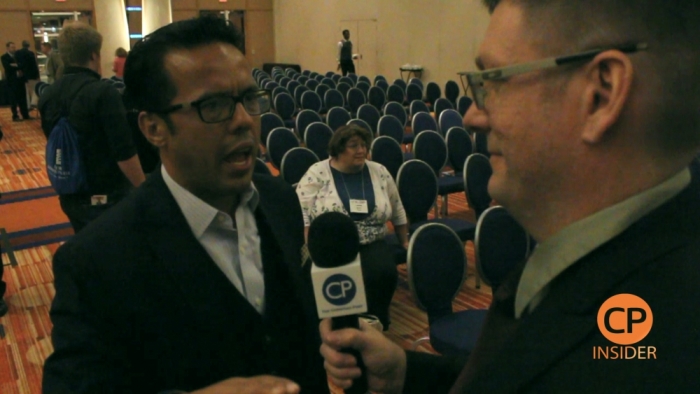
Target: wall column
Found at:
155, 14
111, 23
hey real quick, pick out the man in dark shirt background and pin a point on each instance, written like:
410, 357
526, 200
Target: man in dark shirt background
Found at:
96, 111
30, 69
345, 55
15, 82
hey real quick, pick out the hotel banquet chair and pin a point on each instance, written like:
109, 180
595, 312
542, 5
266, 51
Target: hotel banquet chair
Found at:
346, 80
295, 163
336, 78
355, 99
321, 90
354, 78
292, 85
298, 92
336, 117
317, 137
364, 87
430, 147
333, 98
397, 110
448, 119
459, 147
416, 81
261, 167
441, 105
279, 141
285, 107
463, 104
328, 82
414, 92
481, 144
371, 115
378, 78
268, 122
377, 97
452, 92
311, 100
387, 152
278, 90
306, 73
363, 124
383, 85
302, 79
437, 268
330, 74
417, 106
319, 77
271, 85
396, 93
311, 84
401, 83
363, 78
304, 118
432, 93
284, 81
476, 174
390, 126
343, 88
421, 122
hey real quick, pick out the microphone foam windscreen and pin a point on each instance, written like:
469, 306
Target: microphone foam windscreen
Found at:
333, 240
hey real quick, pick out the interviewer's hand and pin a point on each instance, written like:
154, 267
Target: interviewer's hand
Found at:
263, 384
385, 361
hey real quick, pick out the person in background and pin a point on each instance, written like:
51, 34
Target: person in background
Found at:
590, 108
345, 55
15, 82
364, 190
27, 63
119, 60
54, 64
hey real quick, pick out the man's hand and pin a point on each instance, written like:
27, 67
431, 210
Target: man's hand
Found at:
385, 361
264, 384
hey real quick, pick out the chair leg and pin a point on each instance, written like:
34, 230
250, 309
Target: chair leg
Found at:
444, 205
419, 342
435, 205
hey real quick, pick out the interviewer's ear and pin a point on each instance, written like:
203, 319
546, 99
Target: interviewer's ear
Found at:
609, 81
153, 128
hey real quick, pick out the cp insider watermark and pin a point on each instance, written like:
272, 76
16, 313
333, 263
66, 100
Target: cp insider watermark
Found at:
624, 319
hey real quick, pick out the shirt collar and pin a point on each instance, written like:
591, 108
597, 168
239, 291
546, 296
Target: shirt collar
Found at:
78, 69
199, 214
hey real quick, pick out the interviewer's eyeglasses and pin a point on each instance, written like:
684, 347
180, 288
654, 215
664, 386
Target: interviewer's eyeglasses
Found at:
475, 80
220, 108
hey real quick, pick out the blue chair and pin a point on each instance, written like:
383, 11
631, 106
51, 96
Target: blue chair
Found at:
277, 77
311, 84
313, 75
311, 100
293, 85
376, 97
364, 87
429, 146
285, 107
328, 82
415, 81
298, 92
304, 118
306, 73
400, 82
344, 88
437, 268
459, 147
336, 78
414, 92
354, 78
302, 79
452, 92
378, 78
317, 137
271, 85
417, 106
321, 90
383, 85
463, 104
333, 98
397, 110
395, 93
448, 119
40, 87
476, 174
319, 77
387, 152
390, 126
355, 99
361, 123
432, 93
336, 117
371, 115
441, 105
481, 144
421, 122
295, 163
261, 167
329, 74
279, 141
346, 80
268, 122
364, 79
289, 72
284, 81
279, 90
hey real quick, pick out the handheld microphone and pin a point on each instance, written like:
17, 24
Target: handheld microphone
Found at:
339, 289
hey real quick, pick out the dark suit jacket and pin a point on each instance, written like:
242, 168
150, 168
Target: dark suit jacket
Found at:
10, 71
27, 63
657, 259
141, 307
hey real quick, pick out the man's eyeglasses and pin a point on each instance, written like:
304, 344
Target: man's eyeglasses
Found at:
476, 80
220, 108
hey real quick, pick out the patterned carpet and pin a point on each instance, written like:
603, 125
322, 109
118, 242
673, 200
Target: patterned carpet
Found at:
32, 212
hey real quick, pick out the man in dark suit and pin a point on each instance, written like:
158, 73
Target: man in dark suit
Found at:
30, 69
591, 113
15, 82
195, 282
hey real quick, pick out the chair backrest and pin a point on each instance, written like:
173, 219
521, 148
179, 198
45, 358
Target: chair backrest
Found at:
304, 118
261, 167
363, 124
311, 100
448, 119
322, 89
277, 77
313, 75
463, 104
459, 147
319, 77
397, 110
376, 97
284, 81
302, 79
293, 85
279, 90
344, 88
336, 78
429, 146
329, 74
418, 189
279, 141
477, 172
415, 81
311, 83
432, 92
414, 92
387, 152
382, 84
439, 106
354, 79
268, 122
417, 106
306, 73
390, 126
295, 163
363, 78
317, 137
481, 144
271, 85
364, 87
347, 81
355, 99
400, 82
378, 78
437, 268
328, 82
333, 98
395, 93
289, 72
452, 92
369, 114
500, 245
298, 92
336, 117
421, 122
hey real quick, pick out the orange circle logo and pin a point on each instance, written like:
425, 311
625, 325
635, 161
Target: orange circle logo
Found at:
625, 319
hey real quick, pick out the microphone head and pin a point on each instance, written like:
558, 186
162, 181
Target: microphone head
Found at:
333, 240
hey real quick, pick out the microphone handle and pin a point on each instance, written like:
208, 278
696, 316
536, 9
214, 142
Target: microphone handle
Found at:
359, 385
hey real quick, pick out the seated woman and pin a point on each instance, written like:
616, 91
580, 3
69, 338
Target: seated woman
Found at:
346, 182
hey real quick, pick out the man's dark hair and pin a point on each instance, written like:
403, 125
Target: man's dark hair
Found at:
8, 44
148, 85
346, 31
25, 44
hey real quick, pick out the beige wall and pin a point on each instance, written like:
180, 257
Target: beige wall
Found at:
440, 35
110, 18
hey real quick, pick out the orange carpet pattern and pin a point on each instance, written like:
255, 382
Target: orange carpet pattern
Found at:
22, 164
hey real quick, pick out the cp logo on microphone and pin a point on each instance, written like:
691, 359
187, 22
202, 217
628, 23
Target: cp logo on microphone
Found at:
339, 289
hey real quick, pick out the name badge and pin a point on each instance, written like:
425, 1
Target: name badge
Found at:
359, 206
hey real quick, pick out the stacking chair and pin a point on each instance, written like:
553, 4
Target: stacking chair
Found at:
441, 105
376, 97
452, 92
397, 110
328, 82
268, 122
261, 167
415, 81
311, 100
476, 174
298, 92
319, 77
463, 104
369, 114
289, 72
390, 126
302, 79
336, 78
354, 78
295, 163
378, 78
313, 75
333, 98
481, 144
344, 88
437, 268
284, 81
347, 80
355, 99
329, 74
459, 147
416, 107
422, 121
279, 90
432, 93
271, 85
306, 73
414, 92
400, 82
448, 119
317, 137
285, 107
336, 117
382, 84
365, 79
279, 141
322, 89
387, 152
429, 146
311, 84
293, 85
364, 87
277, 77
304, 118
395, 93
